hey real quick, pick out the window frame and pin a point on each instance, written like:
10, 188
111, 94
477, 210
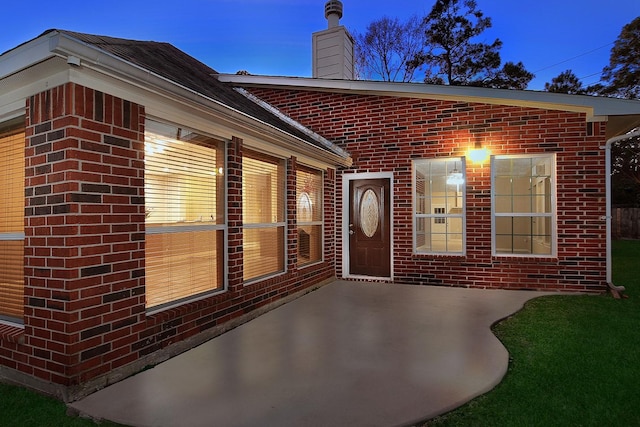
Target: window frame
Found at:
282, 163
312, 223
11, 128
439, 217
175, 227
553, 244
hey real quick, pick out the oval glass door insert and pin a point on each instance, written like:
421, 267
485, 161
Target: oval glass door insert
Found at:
369, 213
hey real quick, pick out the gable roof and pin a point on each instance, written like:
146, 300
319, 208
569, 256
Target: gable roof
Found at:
173, 65
623, 115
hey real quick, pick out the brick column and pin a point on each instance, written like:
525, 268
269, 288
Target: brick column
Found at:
84, 233
332, 224
234, 211
292, 210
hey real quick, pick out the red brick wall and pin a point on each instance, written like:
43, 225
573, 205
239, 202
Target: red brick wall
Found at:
84, 246
383, 134
84, 233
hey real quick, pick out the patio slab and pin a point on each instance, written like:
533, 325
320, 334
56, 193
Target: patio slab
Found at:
357, 354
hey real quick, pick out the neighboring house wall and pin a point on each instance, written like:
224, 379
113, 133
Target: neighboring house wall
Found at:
384, 134
85, 320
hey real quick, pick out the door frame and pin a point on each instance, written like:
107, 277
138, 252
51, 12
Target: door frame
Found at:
346, 208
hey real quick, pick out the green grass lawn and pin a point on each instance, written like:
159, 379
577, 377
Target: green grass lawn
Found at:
575, 360
20, 407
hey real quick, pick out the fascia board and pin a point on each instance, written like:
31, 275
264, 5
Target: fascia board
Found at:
24, 56
590, 105
16, 88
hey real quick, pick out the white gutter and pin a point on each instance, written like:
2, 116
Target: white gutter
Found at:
615, 290
594, 106
273, 110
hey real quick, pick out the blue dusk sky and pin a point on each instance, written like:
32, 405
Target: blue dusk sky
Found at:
273, 37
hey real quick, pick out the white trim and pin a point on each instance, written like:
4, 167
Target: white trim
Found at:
11, 236
322, 140
259, 225
591, 105
14, 323
194, 227
608, 211
346, 206
554, 206
415, 215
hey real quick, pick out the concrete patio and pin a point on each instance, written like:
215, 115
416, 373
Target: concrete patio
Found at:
356, 354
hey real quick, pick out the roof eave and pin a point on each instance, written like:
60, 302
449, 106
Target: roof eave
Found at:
79, 54
594, 107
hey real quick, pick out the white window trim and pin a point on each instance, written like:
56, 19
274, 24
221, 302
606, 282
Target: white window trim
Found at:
9, 237
415, 215
553, 214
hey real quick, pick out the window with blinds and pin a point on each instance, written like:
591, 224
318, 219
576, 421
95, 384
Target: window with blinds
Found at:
185, 214
12, 166
309, 215
263, 210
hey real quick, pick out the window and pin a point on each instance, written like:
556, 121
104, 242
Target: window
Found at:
12, 176
263, 201
310, 215
523, 205
439, 206
185, 222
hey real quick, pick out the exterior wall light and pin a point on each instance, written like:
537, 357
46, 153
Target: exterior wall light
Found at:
479, 154
455, 177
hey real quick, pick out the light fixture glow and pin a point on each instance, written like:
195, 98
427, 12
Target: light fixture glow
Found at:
479, 155
455, 177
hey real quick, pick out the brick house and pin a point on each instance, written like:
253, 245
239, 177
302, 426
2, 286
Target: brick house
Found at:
486, 188
149, 204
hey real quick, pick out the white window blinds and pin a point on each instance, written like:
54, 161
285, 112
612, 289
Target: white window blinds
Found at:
309, 214
184, 203
263, 202
12, 176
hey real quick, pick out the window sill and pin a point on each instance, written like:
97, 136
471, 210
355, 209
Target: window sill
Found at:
174, 308
259, 279
11, 333
526, 258
440, 256
310, 264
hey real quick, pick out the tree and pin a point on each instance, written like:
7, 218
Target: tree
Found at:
384, 50
625, 172
451, 55
566, 82
621, 77
511, 76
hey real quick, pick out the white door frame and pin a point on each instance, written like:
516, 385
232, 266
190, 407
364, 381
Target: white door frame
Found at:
346, 209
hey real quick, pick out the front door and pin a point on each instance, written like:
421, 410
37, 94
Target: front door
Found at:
370, 227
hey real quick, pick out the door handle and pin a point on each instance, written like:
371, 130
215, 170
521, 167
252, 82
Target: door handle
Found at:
351, 232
